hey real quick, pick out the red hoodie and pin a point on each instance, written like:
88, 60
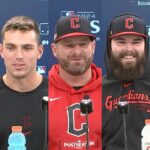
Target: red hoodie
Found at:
66, 123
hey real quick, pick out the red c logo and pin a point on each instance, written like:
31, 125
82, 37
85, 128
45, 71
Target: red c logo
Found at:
129, 23
74, 23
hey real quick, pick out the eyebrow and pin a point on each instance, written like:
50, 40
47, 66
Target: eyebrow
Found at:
135, 39
9, 44
22, 44
70, 40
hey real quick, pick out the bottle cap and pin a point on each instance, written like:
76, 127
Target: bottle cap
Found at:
147, 121
16, 128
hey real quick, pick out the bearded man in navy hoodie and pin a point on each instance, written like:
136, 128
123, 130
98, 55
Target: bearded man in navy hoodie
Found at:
126, 84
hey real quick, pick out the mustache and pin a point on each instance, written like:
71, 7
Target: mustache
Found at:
128, 53
77, 56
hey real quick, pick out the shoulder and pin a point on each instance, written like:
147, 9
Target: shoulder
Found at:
1, 82
109, 81
45, 79
44, 83
96, 69
42, 89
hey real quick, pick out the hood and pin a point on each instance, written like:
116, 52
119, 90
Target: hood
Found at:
109, 74
58, 82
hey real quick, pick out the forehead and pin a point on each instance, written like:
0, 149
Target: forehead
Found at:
19, 36
75, 38
128, 37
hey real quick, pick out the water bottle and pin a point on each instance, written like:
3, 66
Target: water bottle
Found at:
145, 141
16, 139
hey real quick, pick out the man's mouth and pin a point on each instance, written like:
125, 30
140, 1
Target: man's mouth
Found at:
129, 57
18, 66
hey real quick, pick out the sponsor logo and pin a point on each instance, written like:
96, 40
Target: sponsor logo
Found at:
41, 69
54, 99
125, 85
45, 42
143, 3
140, 3
26, 133
67, 13
44, 28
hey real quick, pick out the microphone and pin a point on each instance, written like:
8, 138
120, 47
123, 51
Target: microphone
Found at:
86, 105
123, 108
45, 108
45, 103
86, 108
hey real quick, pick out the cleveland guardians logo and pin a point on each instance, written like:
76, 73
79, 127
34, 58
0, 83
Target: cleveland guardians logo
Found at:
72, 111
129, 23
140, 100
75, 22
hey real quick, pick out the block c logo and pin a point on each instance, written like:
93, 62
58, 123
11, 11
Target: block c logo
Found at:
74, 22
129, 23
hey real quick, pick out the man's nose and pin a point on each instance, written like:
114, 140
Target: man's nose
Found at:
19, 53
77, 48
129, 46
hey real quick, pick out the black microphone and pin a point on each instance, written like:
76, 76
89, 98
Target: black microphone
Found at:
86, 105
45, 103
45, 108
86, 108
123, 108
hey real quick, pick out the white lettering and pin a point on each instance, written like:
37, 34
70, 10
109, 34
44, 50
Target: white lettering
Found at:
140, 3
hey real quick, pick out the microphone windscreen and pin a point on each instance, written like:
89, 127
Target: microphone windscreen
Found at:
86, 105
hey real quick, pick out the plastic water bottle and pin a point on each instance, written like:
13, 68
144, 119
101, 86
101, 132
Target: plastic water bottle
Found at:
16, 139
145, 142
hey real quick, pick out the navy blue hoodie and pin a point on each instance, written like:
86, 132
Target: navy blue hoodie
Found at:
136, 93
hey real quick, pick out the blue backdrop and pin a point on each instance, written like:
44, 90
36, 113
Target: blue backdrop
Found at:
46, 13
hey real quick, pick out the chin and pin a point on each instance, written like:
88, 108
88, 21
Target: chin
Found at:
19, 75
129, 64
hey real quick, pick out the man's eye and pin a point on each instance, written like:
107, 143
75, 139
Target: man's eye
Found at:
27, 48
69, 45
10, 47
136, 42
121, 42
82, 44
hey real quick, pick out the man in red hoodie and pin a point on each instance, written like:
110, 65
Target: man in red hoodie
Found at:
69, 81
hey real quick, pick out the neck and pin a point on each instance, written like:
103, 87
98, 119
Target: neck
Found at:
73, 80
23, 84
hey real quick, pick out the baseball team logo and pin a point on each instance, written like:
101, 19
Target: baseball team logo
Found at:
129, 23
74, 22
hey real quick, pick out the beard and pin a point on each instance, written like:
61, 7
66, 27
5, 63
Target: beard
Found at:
76, 68
130, 70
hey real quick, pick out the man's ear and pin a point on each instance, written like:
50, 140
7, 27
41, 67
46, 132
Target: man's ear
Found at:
94, 46
40, 50
1, 50
54, 49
